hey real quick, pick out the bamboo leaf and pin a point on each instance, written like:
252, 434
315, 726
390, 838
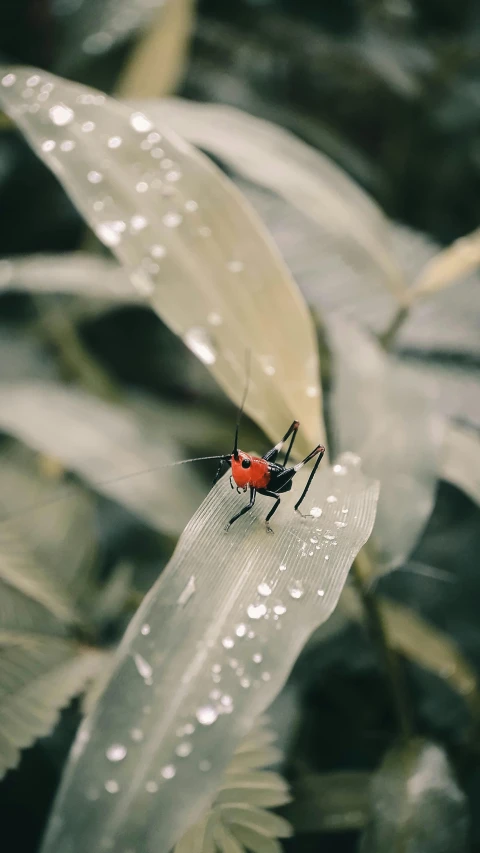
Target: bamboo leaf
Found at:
272, 157
190, 678
461, 461
416, 803
38, 677
380, 414
450, 265
103, 443
192, 244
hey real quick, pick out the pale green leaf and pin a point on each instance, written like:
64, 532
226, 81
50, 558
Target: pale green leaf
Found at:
191, 243
417, 805
38, 677
272, 157
380, 414
190, 683
259, 820
255, 841
450, 265
104, 443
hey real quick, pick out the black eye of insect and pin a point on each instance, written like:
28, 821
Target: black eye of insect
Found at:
246, 463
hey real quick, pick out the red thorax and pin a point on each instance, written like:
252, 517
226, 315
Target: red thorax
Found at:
257, 474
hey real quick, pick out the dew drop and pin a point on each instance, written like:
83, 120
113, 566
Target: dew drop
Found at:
34, 80
256, 611
112, 786
95, 177
151, 787
321, 592
168, 772
157, 153
187, 592
329, 537
251, 635
8, 80
172, 219
136, 735
114, 142
315, 512
206, 715
140, 122
332, 499
141, 187
158, 251
61, 114
184, 749
191, 206
312, 391
257, 658
296, 590
216, 668
138, 222
339, 470
88, 126
173, 175
283, 568
48, 145
198, 341
340, 524
107, 233
67, 145
279, 609
241, 630
327, 557
313, 540
245, 682
264, 589
226, 700
144, 668
228, 643
233, 662
145, 629
116, 752
265, 676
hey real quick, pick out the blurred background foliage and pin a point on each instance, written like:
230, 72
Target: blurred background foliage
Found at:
390, 91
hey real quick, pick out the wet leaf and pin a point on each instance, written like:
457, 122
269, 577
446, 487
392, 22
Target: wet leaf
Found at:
461, 461
192, 244
417, 805
330, 802
38, 677
242, 798
379, 414
104, 443
272, 157
201, 671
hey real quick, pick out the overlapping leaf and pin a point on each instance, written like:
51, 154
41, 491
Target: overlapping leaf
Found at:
104, 443
191, 243
380, 414
38, 677
272, 157
206, 653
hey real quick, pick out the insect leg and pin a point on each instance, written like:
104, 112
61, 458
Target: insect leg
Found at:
274, 508
272, 454
245, 509
320, 450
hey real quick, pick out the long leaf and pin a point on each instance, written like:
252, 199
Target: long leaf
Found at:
103, 443
272, 157
38, 677
450, 265
380, 414
201, 660
191, 243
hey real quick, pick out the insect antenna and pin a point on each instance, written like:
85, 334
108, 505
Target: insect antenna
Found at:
248, 363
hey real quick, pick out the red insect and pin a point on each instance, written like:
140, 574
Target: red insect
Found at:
264, 475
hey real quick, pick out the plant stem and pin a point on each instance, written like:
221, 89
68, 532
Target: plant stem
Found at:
387, 339
390, 662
